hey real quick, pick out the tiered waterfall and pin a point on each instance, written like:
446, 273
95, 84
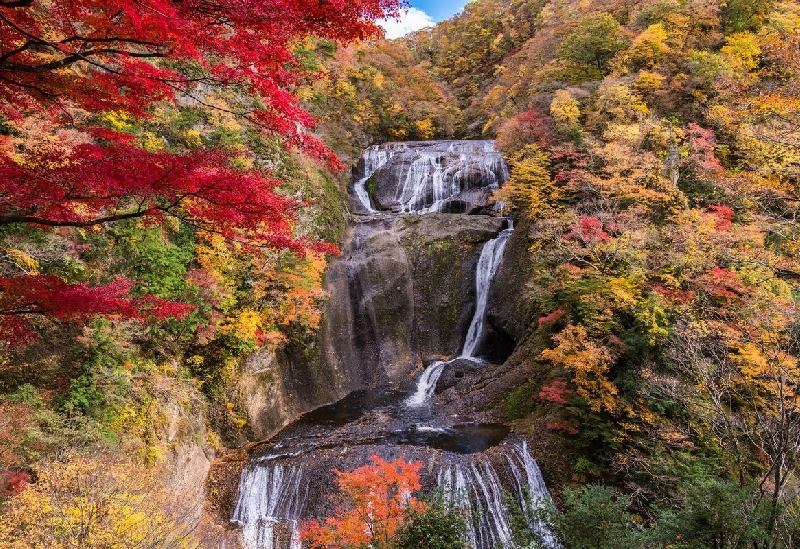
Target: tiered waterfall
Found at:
378, 336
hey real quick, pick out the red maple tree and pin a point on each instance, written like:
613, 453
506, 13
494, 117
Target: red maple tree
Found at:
62, 63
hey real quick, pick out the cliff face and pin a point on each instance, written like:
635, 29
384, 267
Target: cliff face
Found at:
401, 294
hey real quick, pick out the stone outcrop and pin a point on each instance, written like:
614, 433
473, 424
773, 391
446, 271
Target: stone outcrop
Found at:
404, 294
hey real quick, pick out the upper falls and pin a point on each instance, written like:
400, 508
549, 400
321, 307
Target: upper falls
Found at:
408, 341
428, 176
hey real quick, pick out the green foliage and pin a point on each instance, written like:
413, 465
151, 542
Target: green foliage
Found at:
441, 525
522, 400
592, 45
84, 396
746, 15
25, 394
593, 517
714, 514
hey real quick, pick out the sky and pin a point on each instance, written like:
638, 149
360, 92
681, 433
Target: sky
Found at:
421, 14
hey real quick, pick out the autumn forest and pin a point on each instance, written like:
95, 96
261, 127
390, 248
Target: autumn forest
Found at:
174, 181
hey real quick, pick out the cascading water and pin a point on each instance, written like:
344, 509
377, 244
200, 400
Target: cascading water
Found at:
270, 494
474, 463
489, 262
429, 176
374, 158
476, 487
426, 384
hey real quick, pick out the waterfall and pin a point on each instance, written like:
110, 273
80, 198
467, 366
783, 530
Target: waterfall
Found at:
426, 384
429, 183
489, 262
475, 487
426, 176
474, 463
270, 494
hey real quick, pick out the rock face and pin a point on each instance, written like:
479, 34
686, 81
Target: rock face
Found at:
428, 176
278, 385
403, 290
403, 293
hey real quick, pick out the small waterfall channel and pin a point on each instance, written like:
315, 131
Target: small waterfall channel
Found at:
475, 464
488, 263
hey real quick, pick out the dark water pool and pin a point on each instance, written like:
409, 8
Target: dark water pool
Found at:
467, 438
350, 408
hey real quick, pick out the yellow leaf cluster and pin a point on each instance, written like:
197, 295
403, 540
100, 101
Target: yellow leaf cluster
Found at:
530, 185
565, 110
650, 46
22, 260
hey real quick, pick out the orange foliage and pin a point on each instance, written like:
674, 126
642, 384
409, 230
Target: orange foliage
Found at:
376, 496
590, 362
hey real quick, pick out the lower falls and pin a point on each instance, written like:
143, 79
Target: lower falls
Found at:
380, 336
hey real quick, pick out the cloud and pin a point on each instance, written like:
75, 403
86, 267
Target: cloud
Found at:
411, 20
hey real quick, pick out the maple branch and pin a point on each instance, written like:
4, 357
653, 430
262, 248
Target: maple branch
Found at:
74, 58
8, 219
9, 312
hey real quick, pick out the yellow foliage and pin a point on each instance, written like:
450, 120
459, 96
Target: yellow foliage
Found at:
617, 103
425, 129
221, 114
627, 290
305, 93
653, 317
751, 360
785, 17
118, 120
650, 46
192, 138
22, 260
648, 82
246, 325
151, 142
95, 503
530, 185
398, 133
589, 361
741, 51
565, 110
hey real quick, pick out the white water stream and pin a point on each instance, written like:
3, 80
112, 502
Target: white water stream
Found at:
271, 497
426, 384
375, 158
488, 263
434, 174
476, 488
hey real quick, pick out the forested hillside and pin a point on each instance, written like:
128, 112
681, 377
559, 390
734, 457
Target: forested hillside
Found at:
166, 209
